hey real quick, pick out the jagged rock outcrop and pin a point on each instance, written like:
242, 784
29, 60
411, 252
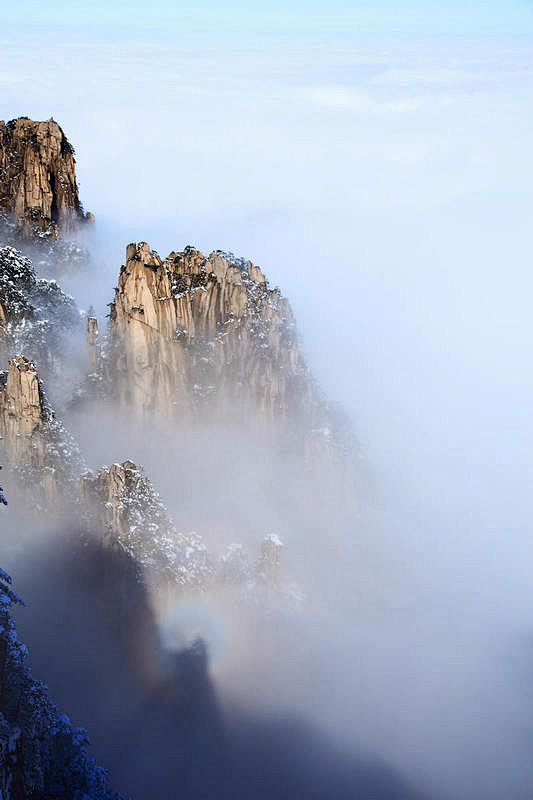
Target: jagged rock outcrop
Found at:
34, 447
38, 188
36, 317
93, 345
197, 337
121, 500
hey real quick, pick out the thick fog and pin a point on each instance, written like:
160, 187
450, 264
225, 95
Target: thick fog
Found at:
382, 180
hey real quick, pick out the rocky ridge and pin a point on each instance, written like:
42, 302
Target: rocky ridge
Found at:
197, 333
38, 188
190, 338
120, 501
118, 504
123, 502
205, 338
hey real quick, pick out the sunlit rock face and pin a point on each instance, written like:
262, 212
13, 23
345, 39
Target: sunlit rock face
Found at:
22, 409
38, 188
39, 455
196, 337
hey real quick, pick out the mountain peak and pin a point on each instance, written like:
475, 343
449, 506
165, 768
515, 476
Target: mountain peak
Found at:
38, 187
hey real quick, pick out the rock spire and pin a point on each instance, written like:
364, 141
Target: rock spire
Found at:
195, 336
38, 187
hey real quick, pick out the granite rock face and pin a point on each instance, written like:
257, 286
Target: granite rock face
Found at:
196, 337
38, 187
22, 409
36, 450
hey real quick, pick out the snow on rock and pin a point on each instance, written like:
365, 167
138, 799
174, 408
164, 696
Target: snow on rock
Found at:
122, 499
36, 317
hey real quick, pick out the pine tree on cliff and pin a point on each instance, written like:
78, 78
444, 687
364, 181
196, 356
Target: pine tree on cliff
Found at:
42, 756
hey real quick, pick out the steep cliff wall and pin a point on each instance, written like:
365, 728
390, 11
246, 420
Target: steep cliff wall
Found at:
38, 186
22, 409
206, 337
35, 448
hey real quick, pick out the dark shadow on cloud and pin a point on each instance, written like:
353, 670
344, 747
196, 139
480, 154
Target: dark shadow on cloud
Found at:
153, 717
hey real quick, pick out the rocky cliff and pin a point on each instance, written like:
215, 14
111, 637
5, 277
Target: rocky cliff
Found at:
121, 500
38, 188
195, 337
117, 504
34, 447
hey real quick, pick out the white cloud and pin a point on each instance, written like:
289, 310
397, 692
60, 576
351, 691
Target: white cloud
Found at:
445, 76
431, 76
357, 100
9, 80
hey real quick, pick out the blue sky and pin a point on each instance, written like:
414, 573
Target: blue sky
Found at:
382, 16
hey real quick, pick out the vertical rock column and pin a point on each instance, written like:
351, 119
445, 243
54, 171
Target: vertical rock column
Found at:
35, 448
22, 412
93, 344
